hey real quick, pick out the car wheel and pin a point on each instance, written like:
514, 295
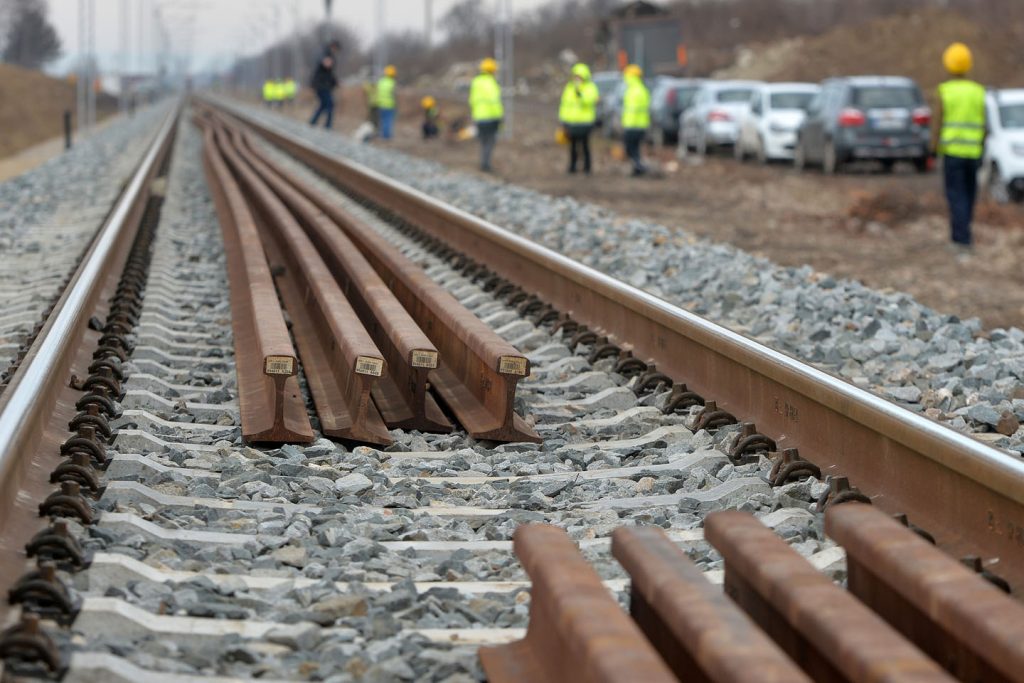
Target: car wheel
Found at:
997, 187
800, 156
830, 163
921, 164
888, 165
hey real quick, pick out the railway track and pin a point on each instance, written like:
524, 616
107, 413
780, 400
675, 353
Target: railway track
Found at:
513, 454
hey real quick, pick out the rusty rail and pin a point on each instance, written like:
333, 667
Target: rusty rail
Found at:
270, 401
479, 370
401, 395
577, 631
961, 620
341, 362
822, 627
968, 495
694, 627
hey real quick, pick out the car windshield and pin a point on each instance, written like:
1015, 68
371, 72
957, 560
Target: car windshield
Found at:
792, 100
684, 95
732, 96
886, 97
1012, 115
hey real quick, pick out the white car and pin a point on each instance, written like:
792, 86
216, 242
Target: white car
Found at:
713, 120
1003, 168
768, 131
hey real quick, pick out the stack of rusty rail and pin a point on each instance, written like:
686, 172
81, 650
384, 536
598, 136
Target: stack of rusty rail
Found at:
909, 613
376, 338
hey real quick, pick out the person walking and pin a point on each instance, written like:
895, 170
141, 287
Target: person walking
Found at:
958, 137
324, 82
577, 113
636, 116
385, 96
486, 109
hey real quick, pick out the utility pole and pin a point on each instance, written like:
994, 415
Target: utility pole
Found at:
83, 74
90, 96
125, 61
503, 53
380, 53
428, 23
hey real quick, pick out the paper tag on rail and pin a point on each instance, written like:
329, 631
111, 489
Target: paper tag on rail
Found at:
369, 366
512, 365
279, 365
424, 359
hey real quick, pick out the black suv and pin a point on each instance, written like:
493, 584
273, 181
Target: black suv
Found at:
865, 118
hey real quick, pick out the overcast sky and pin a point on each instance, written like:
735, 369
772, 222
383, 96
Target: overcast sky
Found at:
221, 29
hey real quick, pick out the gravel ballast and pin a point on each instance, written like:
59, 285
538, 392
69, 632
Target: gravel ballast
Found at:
947, 368
336, 563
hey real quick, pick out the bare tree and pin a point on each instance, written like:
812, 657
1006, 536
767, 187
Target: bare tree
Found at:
31, 40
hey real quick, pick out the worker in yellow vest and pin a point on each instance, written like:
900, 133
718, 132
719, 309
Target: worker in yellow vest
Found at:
636, 115
431, 117
577, 113
959, 138
291, 89
486, 109
268, 92
385, 96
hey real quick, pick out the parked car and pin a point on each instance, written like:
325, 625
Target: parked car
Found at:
606, 82
1003, 167
768, 131
713, 120
670, 98
865, 118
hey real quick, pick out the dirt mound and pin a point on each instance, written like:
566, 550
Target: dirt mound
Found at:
32, 107
906, 44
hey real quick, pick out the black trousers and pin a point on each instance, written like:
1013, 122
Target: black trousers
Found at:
961, 181
579, 145
633, 138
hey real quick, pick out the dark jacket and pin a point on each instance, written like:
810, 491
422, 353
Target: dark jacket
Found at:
323, 78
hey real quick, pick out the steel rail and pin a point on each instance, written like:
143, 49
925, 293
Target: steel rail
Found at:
38, 403
968, 495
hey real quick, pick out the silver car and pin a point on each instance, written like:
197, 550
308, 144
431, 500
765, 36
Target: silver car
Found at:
714, 118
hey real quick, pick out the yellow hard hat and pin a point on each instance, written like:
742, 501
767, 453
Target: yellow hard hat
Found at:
489, 66
389, 70
428, 102
958, 59
633, 71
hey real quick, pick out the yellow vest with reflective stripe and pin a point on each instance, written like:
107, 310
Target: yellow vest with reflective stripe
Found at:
386, 93
579, 103
963, 119
268, 91
485, 99
636, 105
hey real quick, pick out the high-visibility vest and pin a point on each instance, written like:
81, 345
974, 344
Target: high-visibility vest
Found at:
963, 119
636, 105
485, 99
386, 93
290, 88
268, 91
579, 103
